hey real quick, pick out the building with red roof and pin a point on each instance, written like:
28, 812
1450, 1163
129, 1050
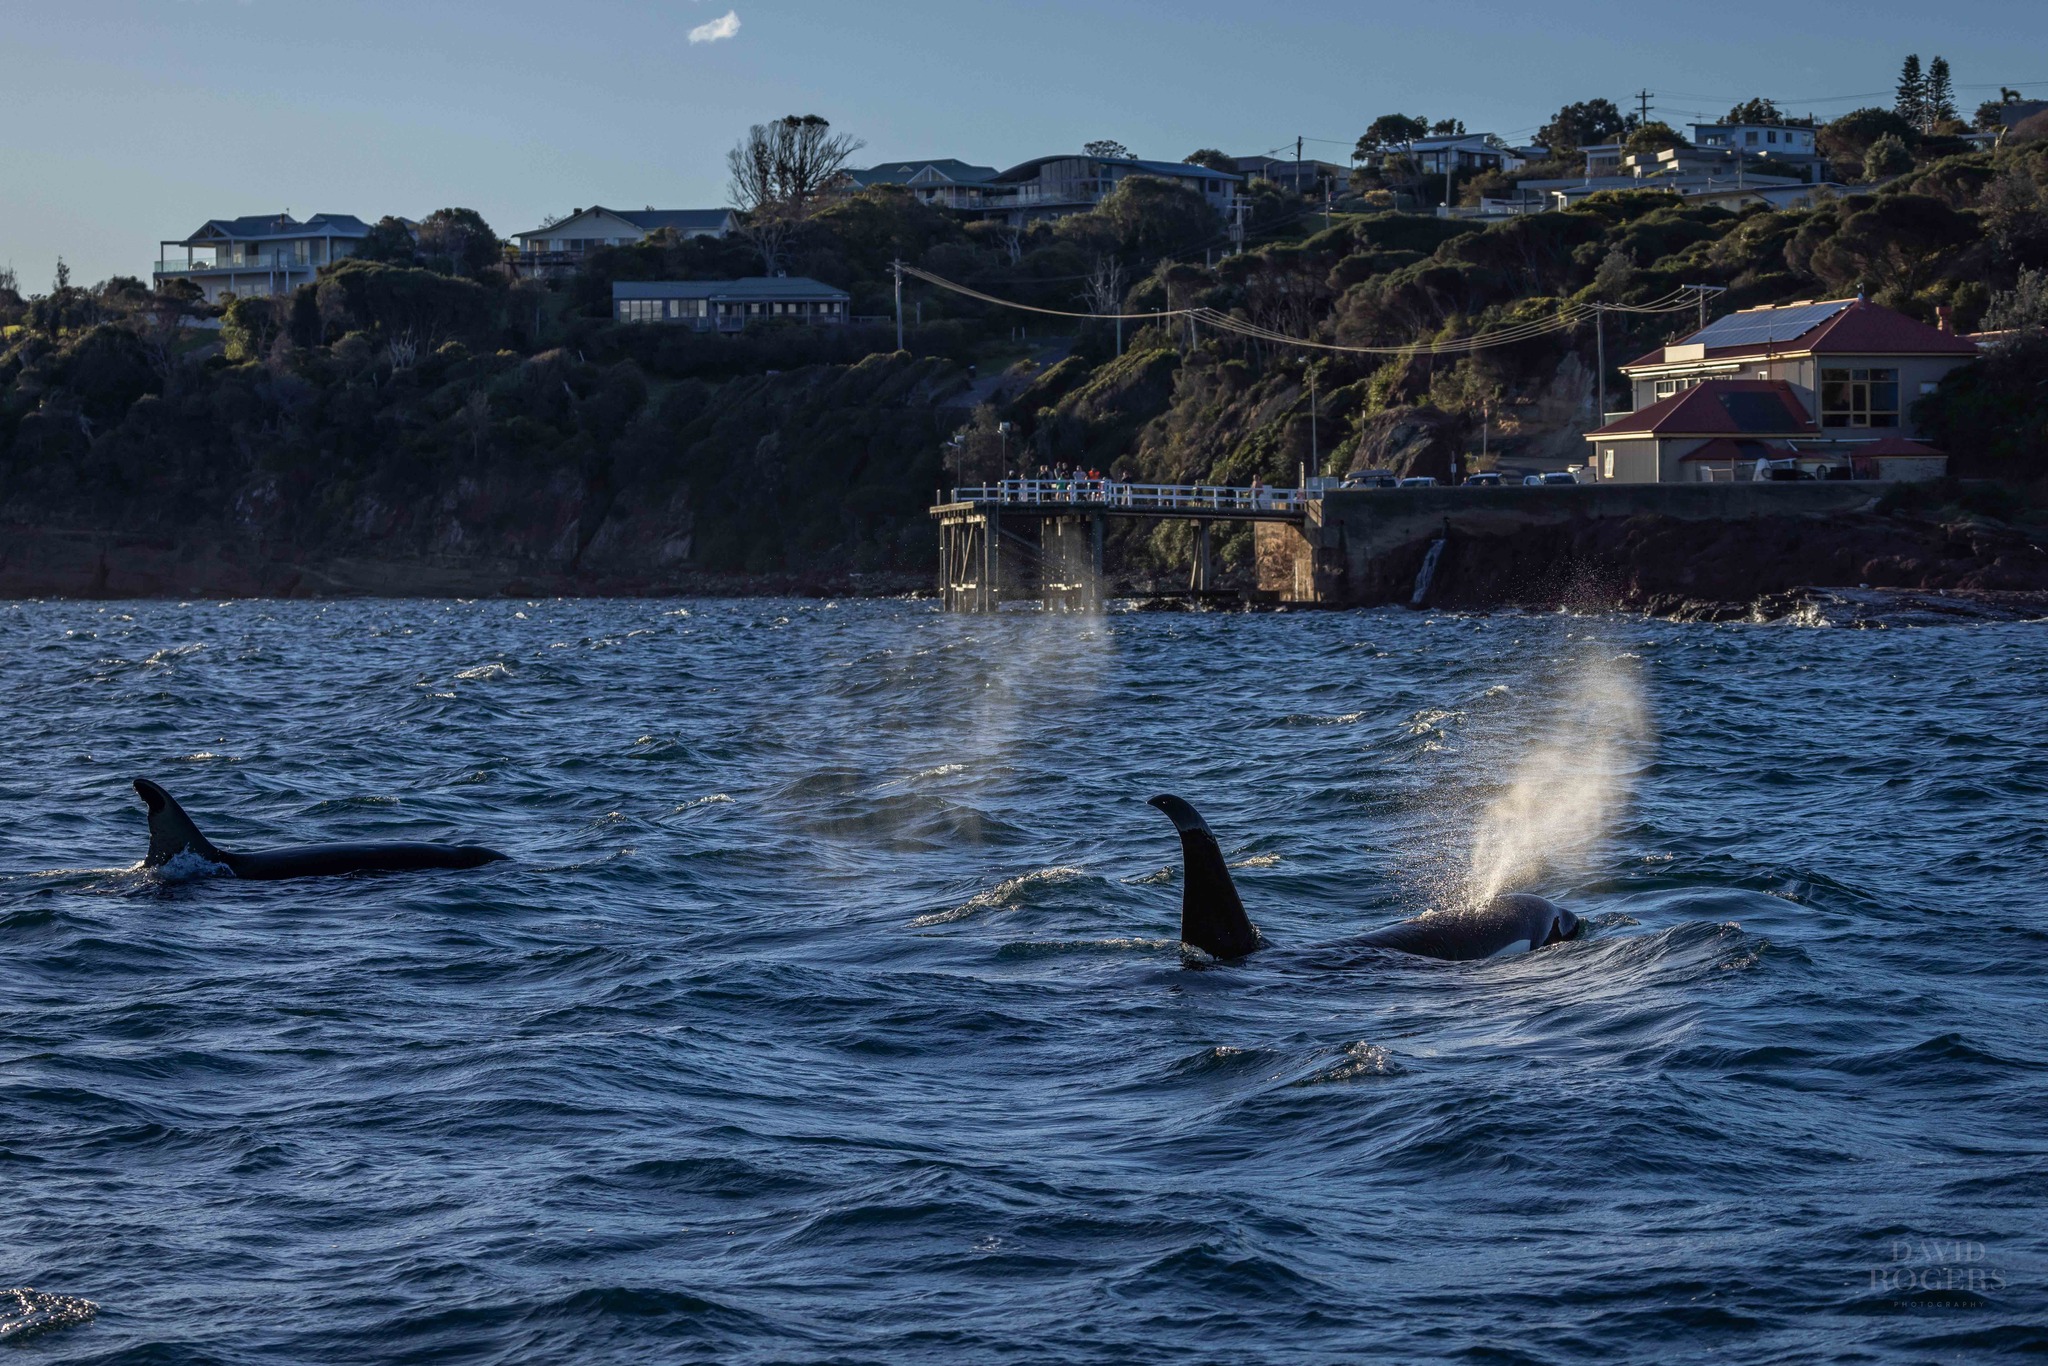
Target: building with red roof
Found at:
1811, 383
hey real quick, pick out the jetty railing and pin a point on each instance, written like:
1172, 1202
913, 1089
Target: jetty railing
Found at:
1111, 493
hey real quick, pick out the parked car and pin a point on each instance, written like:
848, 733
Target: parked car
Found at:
1548, 477
1370, 479
1485, 479
1418, 481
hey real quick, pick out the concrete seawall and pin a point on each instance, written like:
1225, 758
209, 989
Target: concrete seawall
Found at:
1364, 546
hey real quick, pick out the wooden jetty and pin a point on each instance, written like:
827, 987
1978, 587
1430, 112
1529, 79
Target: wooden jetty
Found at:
1025, 539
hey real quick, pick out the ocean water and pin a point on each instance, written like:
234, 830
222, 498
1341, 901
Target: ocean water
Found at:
831, 1009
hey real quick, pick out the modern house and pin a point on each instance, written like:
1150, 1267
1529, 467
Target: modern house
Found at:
558, 248
1830, 385
1791, 143
261, 255
729, 305
1464, 153
944, 181
1055, 186
1044, 187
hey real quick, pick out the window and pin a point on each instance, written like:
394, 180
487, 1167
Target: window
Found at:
1859, 398
1771, 136
1750, 136
1667, 387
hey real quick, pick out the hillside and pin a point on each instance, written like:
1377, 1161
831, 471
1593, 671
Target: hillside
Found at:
478, 431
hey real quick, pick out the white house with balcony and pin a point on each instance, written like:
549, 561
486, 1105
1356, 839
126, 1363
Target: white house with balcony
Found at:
262, 255
558, 248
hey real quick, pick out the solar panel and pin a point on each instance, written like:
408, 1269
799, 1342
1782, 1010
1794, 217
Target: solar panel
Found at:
1765, 325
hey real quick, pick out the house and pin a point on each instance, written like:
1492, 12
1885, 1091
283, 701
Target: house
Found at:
1464, 153
1603, 158
1310, 177
1832, 383
558, 248
1788, 142
262, 255
729, 305
1044, 187
1063, 184
1728, 162
943, 181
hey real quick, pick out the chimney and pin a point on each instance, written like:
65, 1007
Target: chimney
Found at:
1945, 317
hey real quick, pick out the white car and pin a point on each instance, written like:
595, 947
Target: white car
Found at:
1418, 481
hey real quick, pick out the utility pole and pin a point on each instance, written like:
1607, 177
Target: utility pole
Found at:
1315, 455
897, 266
1703, 291
1644, 97
1600, 360
1297, 165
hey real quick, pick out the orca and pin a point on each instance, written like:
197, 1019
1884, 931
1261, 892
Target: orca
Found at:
172, 834
1212, 916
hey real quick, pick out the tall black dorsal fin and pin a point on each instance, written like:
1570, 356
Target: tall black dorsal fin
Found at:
1212, 917
171, 831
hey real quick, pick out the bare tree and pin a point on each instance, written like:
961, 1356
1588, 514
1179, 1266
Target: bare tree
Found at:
1104, 288
778, 172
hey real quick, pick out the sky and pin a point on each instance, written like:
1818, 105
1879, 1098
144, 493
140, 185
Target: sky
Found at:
130, 121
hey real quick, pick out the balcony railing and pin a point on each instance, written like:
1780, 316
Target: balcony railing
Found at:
256, 267
1151, 497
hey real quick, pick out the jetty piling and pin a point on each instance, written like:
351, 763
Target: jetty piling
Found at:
1043, 538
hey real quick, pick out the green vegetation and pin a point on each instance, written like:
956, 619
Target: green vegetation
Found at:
432, 404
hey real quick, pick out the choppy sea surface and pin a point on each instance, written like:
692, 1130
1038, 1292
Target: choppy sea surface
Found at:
831, 1010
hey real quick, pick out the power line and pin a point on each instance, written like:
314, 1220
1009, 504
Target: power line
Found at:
1571, 316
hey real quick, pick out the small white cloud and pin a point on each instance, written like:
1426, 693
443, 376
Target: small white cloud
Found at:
723, 27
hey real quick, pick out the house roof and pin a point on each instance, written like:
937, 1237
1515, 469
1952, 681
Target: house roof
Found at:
1719, 407
648, 220
260, 226
1728, 448
1896, 445
756, 288
1263, 165
941, 168
1028, 170
1833, 327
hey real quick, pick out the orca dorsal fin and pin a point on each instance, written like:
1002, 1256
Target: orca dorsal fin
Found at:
1212, 916
171, 831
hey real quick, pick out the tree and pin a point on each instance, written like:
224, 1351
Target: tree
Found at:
1150, 217
777, 173
1448, 128
1103, 290
1991, 113
1911, 104
1848, 138
1617, 272
2023, 306
1989, 415
1941, 95
458, 241
390, 241
1756, 111
1898, 244
1389, 131
1887, 157
1108, 148
1654, 136
1585, 124
1213, 159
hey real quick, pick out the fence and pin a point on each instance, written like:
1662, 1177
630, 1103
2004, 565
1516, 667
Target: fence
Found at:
1110, 493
